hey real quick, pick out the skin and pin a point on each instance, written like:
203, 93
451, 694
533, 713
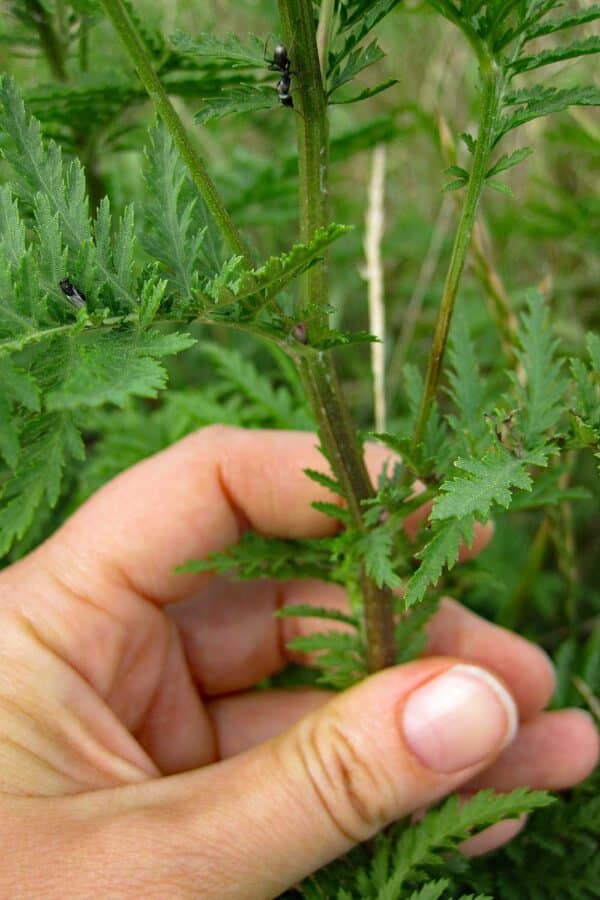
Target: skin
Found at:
135, 758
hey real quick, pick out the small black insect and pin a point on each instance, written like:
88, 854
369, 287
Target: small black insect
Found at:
281, 63
76, 297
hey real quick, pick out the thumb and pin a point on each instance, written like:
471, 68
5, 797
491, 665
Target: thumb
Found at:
254, 825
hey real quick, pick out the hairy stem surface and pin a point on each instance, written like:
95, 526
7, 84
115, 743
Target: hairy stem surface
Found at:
336, 429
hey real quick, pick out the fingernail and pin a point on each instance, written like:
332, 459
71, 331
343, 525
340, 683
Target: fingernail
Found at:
459, 719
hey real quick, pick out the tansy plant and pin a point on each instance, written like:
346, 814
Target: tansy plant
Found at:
92, 303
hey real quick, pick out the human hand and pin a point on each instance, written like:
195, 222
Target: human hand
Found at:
115, 672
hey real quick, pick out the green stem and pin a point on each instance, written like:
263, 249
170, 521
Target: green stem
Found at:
140, 57
49, 40
491, 77
338, 435
336, 429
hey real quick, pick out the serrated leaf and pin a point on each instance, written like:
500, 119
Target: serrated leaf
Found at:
325, 481
457, 172
230, 49
569, 20
243, 99
275, 407
433, 890
467, 388
332, 510
592, 342
508, 160
56, 193
468, 140
255, 556
376, 549
364, 94
19, 386
49, 440
327, 340
258, 286
440, 552
542, 395
556, 54
176, 227
354, 62
538, 101
444, 828
305, 611
329, 640
110, 367
454, 185
486, 481
501, 188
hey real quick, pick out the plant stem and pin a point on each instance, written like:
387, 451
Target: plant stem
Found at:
140, 57
49, 39
338, 435
491, 77
317, 370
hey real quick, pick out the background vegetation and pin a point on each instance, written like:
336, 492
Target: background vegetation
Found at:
539, 574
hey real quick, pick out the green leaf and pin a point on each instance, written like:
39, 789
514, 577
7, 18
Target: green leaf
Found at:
243, 99
56, 193
365, 94
556, 54
570, 20
467, 389
355, 21
538, 101
330, 640
325, 480
377, 548
469, 141
440, 552
18, 389
457, 172
508, 160
255, 556
444, 828
353, 63
433, 890
454, 185
500, 187
305, 611
47, 441
257, 287
542, 396
229, 50
110, 367
486, 481
409, 633
274, 407
175, 228
593, 346
338, 513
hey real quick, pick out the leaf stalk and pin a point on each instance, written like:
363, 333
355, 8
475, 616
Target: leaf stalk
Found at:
492, 83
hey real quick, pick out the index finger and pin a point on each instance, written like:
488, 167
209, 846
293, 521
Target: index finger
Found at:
194, 499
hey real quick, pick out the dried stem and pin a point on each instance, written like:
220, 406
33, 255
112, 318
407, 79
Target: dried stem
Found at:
373, 273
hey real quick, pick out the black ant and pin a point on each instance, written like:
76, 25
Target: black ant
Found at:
281, 63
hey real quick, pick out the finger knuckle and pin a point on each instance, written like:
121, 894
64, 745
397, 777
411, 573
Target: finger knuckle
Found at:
350, 790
